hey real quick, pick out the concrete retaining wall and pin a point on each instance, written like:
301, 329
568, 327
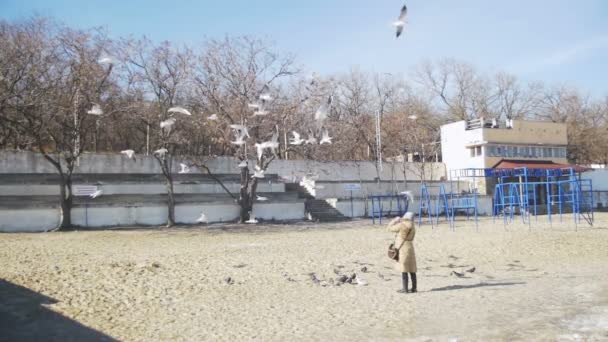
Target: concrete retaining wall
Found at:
29, 162
43, 219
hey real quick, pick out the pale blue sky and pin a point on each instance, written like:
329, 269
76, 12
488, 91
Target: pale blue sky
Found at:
555, 41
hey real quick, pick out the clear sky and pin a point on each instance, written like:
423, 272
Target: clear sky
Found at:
554, 41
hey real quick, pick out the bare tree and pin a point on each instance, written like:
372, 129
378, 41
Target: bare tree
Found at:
60, 79
161, 74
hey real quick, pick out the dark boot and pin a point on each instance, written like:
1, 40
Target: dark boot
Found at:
414, 282
404, 280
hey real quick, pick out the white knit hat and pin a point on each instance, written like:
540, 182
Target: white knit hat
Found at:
408, 216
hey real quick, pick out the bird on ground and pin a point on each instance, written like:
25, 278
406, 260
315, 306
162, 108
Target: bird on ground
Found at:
360, 281
459, 275
184, 168
129, 154
96, 194
243, 164
401, 21
167, 123
202, 218
412, 117
161, 152
212, 117
252, 220
324, 109
471, 270
179, 110
261, 198
95, 110
325, 138
296, 140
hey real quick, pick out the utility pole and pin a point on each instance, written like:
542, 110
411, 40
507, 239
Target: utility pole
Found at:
378, 142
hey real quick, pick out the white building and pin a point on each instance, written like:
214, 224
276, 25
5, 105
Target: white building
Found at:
480, 144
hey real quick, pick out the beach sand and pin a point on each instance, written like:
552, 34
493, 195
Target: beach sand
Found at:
530, 283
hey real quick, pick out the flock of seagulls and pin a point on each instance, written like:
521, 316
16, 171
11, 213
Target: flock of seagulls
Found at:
260, 108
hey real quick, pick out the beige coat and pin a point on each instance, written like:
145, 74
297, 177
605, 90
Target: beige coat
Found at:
406, 231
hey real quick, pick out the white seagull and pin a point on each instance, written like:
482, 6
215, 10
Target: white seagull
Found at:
180, 110
324, 109
252, 220
184, 168
400, 23
202, 218
311, 139
161, 152
243, 164
241, 129
212, 117
129, 153
261, 198
254, 105
106, 60
325, 138
258, 173
96, 194
260, 112
95, 110
265, 94
296, 140
412, 117
167, 123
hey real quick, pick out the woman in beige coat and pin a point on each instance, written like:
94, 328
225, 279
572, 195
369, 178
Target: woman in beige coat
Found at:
405, 232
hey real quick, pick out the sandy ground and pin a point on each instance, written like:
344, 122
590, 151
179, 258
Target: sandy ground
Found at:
530, 283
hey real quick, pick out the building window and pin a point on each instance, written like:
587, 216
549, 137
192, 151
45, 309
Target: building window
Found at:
472, 151
478, 151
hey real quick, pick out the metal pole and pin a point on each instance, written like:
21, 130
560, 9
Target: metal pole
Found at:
378, 141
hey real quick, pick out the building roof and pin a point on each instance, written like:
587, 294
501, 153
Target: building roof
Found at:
537, 164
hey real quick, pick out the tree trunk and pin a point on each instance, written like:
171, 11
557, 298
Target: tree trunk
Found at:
244, 196
66, 202
170, 203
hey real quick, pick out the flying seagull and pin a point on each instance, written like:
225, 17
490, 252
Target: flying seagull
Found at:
400, 23
96, 194
161, 152
265, 94
129, 153
241, 130
243, 164
296, 140
258, 173
95, 110
180, 110
167, 123
184, 168
412, 117
311, 139
261, 198
324, 109
106, 60
325, 138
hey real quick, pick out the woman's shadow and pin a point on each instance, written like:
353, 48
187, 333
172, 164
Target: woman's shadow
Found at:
23, 317
482, 284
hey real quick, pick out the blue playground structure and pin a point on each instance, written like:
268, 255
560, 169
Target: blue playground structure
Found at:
378, 210
445, 203
531, 192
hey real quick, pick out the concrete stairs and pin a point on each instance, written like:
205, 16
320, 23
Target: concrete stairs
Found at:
320, 210
316, 209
